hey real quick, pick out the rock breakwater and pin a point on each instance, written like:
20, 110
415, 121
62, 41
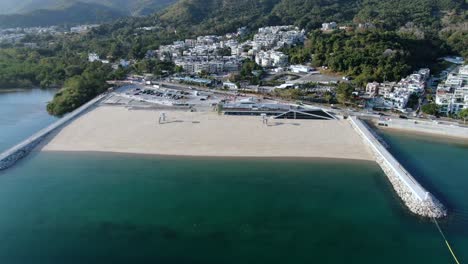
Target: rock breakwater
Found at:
14, 154
414, 196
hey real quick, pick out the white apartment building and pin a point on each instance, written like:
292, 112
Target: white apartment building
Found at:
396, 95
271, 59
372, 88
452, 96
207, 64
92, 57
300, 68
329, 26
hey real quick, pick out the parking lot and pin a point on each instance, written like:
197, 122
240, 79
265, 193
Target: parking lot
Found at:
141, 95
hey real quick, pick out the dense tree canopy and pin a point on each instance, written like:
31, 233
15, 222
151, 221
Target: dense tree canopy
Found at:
373, 55
79, 89
430, 109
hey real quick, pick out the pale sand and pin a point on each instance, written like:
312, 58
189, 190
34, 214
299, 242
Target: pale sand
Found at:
116, 129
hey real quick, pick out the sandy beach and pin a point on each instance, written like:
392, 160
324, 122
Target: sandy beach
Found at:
117, 129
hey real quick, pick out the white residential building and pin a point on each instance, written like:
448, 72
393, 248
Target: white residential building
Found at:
397, 95
372, 88
452, 96
271, 59
204, 53
92, 57
329, 26
198, 64
300, 68
230, 85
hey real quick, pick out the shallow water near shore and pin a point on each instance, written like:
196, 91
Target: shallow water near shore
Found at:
23, 113
114, 208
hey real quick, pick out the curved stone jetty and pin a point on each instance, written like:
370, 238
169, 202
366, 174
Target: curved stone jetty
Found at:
12, 155
415, 197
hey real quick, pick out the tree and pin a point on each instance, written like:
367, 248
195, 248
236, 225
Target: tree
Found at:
430, 109
463, 114
413, 101
224, 51
328, 97
344, 93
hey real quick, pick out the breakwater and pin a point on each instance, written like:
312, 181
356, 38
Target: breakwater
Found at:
416, 198
9, 157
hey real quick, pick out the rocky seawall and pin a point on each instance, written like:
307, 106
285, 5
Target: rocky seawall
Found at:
415, 197
16, 153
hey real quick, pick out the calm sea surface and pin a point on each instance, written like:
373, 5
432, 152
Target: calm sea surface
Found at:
109, 208
23, 113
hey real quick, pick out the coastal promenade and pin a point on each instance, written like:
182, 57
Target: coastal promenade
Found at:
416, 198
9, 157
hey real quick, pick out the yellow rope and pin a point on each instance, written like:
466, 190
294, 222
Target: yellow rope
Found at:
446, 242
451, 251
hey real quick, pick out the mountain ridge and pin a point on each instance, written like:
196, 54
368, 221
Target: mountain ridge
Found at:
74, 14
53, 12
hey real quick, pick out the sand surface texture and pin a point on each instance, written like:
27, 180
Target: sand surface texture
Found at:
117, 129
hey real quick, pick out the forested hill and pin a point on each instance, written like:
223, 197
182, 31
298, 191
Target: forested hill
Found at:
441, 22
75, 14
309, 14
131, 7
407, 34
30, 13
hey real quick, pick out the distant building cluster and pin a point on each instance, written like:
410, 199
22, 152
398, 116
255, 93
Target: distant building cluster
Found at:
331, 26
92, 57
224, 54
82, 28
452, 95
216, 65
395, 95
274, 38
15, 35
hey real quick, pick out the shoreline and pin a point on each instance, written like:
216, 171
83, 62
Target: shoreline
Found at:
200, 157
26, 89
441, 137
423, 127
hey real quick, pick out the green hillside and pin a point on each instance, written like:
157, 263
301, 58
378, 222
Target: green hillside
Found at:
136, 7
75, 14
311, 13
27, 13
406, 35
133, 7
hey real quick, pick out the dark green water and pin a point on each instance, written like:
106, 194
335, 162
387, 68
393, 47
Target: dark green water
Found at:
22, 113
107, 208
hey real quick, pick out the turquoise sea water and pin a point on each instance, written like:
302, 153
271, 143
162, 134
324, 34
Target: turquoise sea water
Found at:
108, 208
22, 113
